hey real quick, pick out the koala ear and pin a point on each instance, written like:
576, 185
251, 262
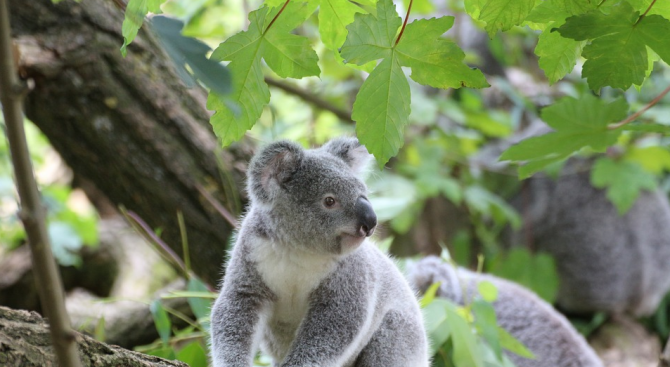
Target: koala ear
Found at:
351, 152
271, 167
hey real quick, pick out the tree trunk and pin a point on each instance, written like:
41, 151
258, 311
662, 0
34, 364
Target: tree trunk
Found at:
128, 125
24, 342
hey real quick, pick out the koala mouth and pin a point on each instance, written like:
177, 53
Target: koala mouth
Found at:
350, 240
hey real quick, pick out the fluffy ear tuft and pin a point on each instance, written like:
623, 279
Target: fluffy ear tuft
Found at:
271, 167
351, 152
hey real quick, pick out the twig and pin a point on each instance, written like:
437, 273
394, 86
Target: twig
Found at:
32, 212
308, 97
645, 12
219, 208
404, 24
638, 113
143, 228
276, 16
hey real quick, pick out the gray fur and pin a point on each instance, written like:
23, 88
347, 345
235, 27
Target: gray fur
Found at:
543, 330
303, 283
606, 262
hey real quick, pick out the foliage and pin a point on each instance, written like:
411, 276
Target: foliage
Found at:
468, 335
69, 224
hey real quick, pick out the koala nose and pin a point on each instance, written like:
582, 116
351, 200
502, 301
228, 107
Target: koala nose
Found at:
367, 219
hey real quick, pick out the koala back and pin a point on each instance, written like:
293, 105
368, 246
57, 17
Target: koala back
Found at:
606, 261
543, 330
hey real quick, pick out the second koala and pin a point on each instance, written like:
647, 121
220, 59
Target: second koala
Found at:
303, 282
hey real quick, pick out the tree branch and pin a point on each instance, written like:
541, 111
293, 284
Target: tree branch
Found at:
341, 113
637, 114
32, 213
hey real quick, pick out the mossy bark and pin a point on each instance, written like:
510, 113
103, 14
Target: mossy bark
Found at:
25, 342
128, 124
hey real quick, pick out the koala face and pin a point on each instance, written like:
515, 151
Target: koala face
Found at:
314, 198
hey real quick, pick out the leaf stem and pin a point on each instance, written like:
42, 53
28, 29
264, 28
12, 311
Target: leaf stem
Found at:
276, 16
409, 8
645, 12
638, 113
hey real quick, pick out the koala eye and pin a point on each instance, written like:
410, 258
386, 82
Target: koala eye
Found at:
329, 202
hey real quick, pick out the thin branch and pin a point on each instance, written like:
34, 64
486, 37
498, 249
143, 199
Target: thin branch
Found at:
404, 24
143, 228
276, 16
32, 212
645, 12
311, 98
640, 112
219, 208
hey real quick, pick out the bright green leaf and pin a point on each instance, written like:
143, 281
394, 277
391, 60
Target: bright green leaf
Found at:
578, 123
199, 305
381, 110
558, 55
513, 345
334, 16
504, 14
193, 354
436, 62
136, 10
653, 159
429, 296
371, 37
286, 54
557, 10
465, 344
617, 55
488, 291
162, 321
487, 325
623, 180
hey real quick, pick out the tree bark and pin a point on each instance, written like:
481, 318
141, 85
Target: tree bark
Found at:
129, 125
24, 342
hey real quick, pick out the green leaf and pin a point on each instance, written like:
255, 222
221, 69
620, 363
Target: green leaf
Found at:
381, 110
189, 51
65, 243
199, 305
371, 37
288, 55
623, 180
161, 320
193, 354
487, 325
334, 16
578, 123
429, 296
557, 10
617, 54
465, 344
534, 271
436, 62
488, 291
513, 345
647, 128
436, 324
503, 14
558, 55
136, 10
653, 159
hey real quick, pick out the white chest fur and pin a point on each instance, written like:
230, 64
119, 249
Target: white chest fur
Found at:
291, 275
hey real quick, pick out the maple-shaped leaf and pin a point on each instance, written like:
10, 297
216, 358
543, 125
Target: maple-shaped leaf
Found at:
382, 106
557, 55
499, 14
617, 54
578, 123
136, 10
623, 179
557, 10
288, 55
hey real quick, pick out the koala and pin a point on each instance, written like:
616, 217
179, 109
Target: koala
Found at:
605, 261
303, 281
544, 331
